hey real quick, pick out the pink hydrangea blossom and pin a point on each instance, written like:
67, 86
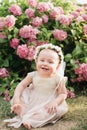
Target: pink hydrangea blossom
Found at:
38, 43
22, 51
63, 19
70, 17
79, 79
37, 22
45, 18
70, 94
9, 21
56, 11
59, 34
14, 43
73, 80
78, 70
81, 71
85, 8
15, 9
75, 14
79, 9
30, 13
44, 6
84, 16
85, 29
3, 73
80, 19
32, 3
31, 53
28, 32
6, 95
7, 98
3, 35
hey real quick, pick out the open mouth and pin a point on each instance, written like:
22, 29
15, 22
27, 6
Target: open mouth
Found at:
44, 68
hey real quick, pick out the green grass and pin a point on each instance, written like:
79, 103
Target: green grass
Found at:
75, 119
78, 112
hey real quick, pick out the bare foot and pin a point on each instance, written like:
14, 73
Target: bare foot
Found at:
27, 125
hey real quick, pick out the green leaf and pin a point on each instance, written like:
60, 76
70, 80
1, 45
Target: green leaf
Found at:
9, 37
73, 32
68, 57
2, 89
72, 62
85, 59
77, 51
16, 31
2, 40
6, 63
49, 35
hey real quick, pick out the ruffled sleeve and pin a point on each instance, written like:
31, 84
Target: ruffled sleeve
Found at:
61, 86
31, 74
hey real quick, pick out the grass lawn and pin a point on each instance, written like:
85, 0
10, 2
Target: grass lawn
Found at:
75, 119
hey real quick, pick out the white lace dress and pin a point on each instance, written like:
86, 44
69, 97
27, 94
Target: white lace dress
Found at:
34, 99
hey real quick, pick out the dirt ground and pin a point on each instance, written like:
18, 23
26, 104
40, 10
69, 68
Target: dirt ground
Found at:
63, 124
75, 119
59, 125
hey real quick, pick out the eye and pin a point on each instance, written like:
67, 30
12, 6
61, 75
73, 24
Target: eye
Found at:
51, 62
42, 60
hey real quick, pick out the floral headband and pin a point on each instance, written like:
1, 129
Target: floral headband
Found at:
50, 46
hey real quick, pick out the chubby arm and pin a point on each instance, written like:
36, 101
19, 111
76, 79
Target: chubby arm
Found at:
17, 106
61, 92
20, 87
61, 95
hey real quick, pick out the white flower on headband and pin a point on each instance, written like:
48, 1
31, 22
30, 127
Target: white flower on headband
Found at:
49, 46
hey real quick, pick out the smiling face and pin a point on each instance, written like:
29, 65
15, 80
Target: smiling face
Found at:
47, 62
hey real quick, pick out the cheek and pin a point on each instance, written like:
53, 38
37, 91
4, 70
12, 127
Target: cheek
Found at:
55, 67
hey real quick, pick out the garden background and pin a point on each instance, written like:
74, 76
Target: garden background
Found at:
24, 25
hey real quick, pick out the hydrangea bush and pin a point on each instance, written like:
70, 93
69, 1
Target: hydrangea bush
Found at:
26, 25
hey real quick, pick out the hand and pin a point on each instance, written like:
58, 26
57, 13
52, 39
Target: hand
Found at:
17, 109
51, 107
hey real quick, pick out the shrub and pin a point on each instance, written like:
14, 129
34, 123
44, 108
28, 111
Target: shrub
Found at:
24, 26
